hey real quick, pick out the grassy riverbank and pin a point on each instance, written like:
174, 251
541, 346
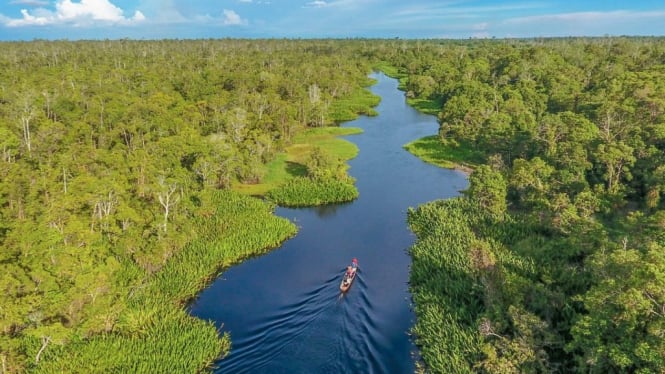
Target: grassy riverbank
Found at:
292, 164
430, 149
288, 179
154, 332
108, 220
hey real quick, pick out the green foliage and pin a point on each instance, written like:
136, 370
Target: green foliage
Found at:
361, 101
108, 150
315, 148
152, 331
573, 129
487, 188
443, 154
388, 69
175, 343
444, 290
623, 329
427, 106
327, 180
301, 191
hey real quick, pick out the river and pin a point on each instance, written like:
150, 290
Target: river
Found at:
284, 310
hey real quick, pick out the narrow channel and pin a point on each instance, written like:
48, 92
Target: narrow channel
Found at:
284, 310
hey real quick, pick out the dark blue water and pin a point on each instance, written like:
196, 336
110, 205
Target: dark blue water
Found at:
284, 310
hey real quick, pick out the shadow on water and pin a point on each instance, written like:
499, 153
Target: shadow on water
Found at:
284, 310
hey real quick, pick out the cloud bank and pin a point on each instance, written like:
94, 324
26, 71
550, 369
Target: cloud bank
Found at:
86, 12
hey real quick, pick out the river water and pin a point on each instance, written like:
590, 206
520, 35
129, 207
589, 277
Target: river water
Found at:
284, 310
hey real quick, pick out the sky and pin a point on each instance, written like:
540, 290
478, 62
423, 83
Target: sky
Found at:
195, 19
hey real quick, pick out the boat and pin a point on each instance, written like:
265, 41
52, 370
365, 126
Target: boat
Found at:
349, 276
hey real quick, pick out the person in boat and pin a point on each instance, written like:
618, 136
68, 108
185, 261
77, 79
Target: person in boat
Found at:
349, 271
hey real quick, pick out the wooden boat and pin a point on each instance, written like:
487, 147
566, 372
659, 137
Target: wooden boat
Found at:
349, 276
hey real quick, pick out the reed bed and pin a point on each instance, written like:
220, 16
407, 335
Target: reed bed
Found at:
446, 296
467, 271
302, 191
361, 101
154, 333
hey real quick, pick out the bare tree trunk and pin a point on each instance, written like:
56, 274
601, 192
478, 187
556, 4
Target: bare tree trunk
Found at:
45, 341
26, 117
167, 201
64, 179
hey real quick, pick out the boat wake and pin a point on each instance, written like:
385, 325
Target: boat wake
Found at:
284, 331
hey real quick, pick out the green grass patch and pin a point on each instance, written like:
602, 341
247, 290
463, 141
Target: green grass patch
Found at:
277, 171
393, 72
289, 165
427, 106
430, 149
361, 101
326, 138
389, 70
300, 192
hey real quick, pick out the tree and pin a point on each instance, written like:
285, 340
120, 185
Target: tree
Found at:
531, 180
623, 330
488, 189
167, 199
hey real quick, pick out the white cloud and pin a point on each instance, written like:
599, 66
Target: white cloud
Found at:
316, 4
232, 18
85, 12
583, 17
29, 2
340, 4
138, 16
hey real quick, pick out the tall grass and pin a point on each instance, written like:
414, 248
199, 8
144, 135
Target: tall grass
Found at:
178, 343
470, 269
446, 296
154, 333
360, 101
299, 192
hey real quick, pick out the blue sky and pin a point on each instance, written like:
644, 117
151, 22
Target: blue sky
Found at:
184, 19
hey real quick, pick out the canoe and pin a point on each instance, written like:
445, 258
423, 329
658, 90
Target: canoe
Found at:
347, 281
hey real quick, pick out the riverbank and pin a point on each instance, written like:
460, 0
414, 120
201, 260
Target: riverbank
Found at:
313, 169
293, 162
104, 252
154, 333
286, 324
430, 148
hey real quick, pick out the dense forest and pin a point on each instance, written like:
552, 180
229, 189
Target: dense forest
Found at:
554, 261
121, 162
118, 161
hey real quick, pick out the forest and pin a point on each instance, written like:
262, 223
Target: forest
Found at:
120, 166
127, 168
554, 259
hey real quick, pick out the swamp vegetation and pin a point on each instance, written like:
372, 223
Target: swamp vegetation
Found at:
554, 261
118, 158
125, 170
